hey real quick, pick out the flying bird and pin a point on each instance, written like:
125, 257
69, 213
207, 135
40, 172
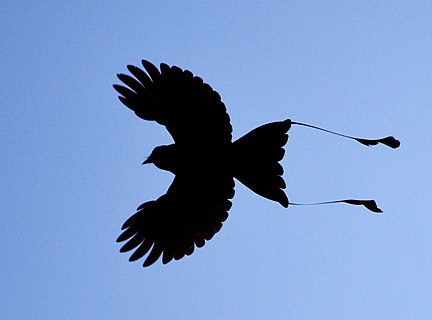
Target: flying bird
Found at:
204, 161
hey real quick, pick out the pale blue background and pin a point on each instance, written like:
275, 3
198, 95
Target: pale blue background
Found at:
71, 154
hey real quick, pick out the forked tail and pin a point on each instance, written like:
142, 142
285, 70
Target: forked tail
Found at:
257, 155
256, 160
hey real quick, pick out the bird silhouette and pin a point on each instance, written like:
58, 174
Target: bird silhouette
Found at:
203, 159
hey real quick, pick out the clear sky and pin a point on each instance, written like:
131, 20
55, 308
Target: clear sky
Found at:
71, 159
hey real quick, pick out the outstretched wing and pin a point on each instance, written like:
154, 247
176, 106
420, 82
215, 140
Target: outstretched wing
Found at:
186, 216
197, 202
189, 108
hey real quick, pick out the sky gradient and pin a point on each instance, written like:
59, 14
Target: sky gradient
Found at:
71, 159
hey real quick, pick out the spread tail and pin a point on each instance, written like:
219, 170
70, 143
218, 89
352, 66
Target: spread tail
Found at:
256, 160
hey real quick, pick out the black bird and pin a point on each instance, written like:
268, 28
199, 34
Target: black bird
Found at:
204, 161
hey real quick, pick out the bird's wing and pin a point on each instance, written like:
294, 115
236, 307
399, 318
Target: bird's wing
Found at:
190, 109
190, 213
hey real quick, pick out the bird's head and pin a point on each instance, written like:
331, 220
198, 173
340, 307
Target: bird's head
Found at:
163, 157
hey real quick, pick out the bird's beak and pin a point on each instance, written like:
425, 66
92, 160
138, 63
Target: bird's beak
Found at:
147, 161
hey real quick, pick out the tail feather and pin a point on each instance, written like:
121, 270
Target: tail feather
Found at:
256, 160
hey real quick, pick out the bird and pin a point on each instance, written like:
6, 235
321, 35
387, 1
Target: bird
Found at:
204, 160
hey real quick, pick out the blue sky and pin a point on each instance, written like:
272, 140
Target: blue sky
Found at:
71, 154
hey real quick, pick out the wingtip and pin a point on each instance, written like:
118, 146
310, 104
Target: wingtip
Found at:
131, 67
147, 64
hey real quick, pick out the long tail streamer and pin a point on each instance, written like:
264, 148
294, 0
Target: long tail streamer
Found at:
388, 141
368, 204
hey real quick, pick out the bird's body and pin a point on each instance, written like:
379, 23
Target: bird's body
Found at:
203, 159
